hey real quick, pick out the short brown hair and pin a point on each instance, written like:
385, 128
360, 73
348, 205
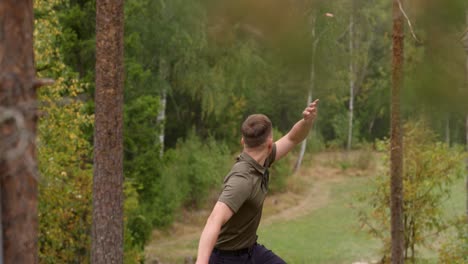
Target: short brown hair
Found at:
255, 130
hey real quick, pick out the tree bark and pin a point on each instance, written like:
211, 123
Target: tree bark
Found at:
396, 152
18, 125
466, 118
107, 231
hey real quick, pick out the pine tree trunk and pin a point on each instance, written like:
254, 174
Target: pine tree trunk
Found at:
352, 77
1, 229
107, 231
396, 152
18, 125
466, 118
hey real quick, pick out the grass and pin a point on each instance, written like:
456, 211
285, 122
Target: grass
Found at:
328, 235
331, 234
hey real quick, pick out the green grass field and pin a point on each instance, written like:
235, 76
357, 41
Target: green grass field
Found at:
328, 235
331, 234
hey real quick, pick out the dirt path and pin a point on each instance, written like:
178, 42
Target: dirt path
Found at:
312, 192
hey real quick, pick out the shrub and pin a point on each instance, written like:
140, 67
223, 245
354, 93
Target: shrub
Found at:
315, 141
455, 250
189, 174
281, 170
429, 169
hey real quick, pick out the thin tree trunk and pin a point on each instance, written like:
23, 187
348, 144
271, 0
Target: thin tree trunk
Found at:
466, 148
18, 125
309, 94
466, 118
396, 152
161, 120
107, 232
447, 130
304, 142
352, 77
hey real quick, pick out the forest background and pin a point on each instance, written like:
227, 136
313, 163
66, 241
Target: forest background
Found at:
195, 69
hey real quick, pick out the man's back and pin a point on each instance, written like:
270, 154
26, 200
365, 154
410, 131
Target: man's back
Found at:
244, 191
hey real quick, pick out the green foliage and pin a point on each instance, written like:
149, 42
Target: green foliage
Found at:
65, 153
142, 168
141, 141
315, 141
429, 169
77, 39
66, 175
193, 168
456, 250
281, 170
134, 239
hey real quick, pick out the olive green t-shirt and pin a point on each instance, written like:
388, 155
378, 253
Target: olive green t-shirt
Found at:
244, 191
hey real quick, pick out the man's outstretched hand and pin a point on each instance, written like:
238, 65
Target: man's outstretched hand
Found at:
310, 113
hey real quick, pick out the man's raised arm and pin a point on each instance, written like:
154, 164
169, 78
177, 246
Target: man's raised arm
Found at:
298, 132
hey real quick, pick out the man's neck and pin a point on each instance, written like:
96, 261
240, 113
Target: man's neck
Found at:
258, 155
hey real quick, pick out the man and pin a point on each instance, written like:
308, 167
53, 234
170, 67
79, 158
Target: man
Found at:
229, 235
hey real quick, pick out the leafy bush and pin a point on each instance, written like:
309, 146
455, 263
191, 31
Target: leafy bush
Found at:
456, 250
340, 127
66, 175
315, 141
65, 186
429, 169
281, 170
189, 174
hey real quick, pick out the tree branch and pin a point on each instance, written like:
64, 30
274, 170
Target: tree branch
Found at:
409, 22
42, 82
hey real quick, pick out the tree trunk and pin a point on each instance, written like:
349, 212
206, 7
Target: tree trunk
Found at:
309, 94
107, 231
304, 142
18, 125
161, 120
352, 77
447, 130
396, 152
1, 229
466, 118
466, 148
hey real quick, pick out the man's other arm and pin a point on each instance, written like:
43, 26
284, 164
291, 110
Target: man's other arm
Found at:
219, 216
298, 132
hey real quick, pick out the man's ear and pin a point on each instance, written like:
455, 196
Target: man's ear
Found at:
242, 141
270, 143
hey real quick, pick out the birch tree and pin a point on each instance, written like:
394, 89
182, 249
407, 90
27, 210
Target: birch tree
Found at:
311, 86
107, 230
316, 39
352, 75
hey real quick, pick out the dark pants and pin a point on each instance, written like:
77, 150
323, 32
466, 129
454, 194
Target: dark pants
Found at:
258, 254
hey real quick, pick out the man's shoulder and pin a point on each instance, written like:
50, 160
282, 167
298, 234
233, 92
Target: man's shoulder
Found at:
241, 169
